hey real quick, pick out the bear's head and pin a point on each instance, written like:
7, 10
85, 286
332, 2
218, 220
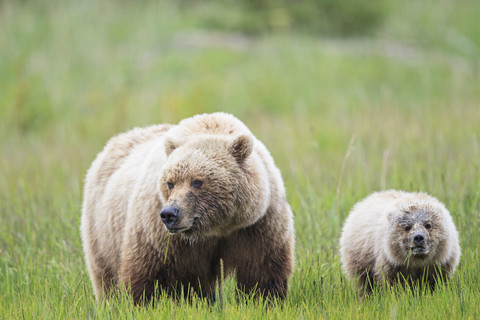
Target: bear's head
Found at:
418, 235
204, 184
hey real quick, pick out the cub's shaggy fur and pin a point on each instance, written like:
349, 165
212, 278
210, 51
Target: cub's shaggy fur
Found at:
395, 235
163, 204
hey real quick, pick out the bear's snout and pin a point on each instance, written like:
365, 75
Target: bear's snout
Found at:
418, 239
169, 215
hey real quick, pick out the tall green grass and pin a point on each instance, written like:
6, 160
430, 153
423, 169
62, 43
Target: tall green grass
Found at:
341, 118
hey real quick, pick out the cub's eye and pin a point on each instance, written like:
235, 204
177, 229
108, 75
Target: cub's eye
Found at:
197, 183
407, 228
428, 226
170, 185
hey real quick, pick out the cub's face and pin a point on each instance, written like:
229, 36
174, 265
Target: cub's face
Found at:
199, 185
417, 234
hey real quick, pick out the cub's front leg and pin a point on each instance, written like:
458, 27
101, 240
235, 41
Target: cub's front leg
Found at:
384, 272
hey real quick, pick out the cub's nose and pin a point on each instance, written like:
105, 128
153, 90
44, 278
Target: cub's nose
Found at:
169, 215
418, 239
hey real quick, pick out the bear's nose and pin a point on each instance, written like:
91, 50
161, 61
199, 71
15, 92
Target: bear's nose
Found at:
169, 215
418, 239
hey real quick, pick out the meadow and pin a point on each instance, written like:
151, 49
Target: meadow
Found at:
342, 117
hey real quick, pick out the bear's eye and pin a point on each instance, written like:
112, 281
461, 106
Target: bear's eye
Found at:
197, 183
407, 228
428, 226
170, 185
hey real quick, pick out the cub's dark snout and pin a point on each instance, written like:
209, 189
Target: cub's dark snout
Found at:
169, 215
418, 239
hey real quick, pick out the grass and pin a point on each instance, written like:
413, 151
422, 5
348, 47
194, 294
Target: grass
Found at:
341, 118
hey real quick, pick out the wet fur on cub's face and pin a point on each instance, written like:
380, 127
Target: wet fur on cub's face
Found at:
201, 180
417, 234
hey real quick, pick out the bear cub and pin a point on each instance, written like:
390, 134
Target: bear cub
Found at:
399, 236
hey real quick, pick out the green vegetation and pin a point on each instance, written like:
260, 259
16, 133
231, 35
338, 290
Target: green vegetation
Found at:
326, 17
342, 118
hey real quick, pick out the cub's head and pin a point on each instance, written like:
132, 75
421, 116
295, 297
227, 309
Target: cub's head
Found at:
201, 182
417, 234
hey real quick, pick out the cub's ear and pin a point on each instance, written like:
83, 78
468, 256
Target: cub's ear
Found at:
241, 147
394, 217
171, 145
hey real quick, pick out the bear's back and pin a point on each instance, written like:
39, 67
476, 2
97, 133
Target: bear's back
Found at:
364, 231
218, 123
119, 148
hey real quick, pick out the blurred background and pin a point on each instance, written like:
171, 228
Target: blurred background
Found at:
349, 96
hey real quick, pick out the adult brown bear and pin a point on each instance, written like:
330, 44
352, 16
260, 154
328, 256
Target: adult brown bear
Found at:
164, 204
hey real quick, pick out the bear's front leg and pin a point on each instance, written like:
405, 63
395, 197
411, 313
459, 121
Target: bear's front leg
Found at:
438, 274
266, 274
384, 272
262, 258
140, 269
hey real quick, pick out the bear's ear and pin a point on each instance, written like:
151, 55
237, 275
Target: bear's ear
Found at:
241, 147
171, 145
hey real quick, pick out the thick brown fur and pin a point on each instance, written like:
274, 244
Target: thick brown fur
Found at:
378, 245
230, 200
